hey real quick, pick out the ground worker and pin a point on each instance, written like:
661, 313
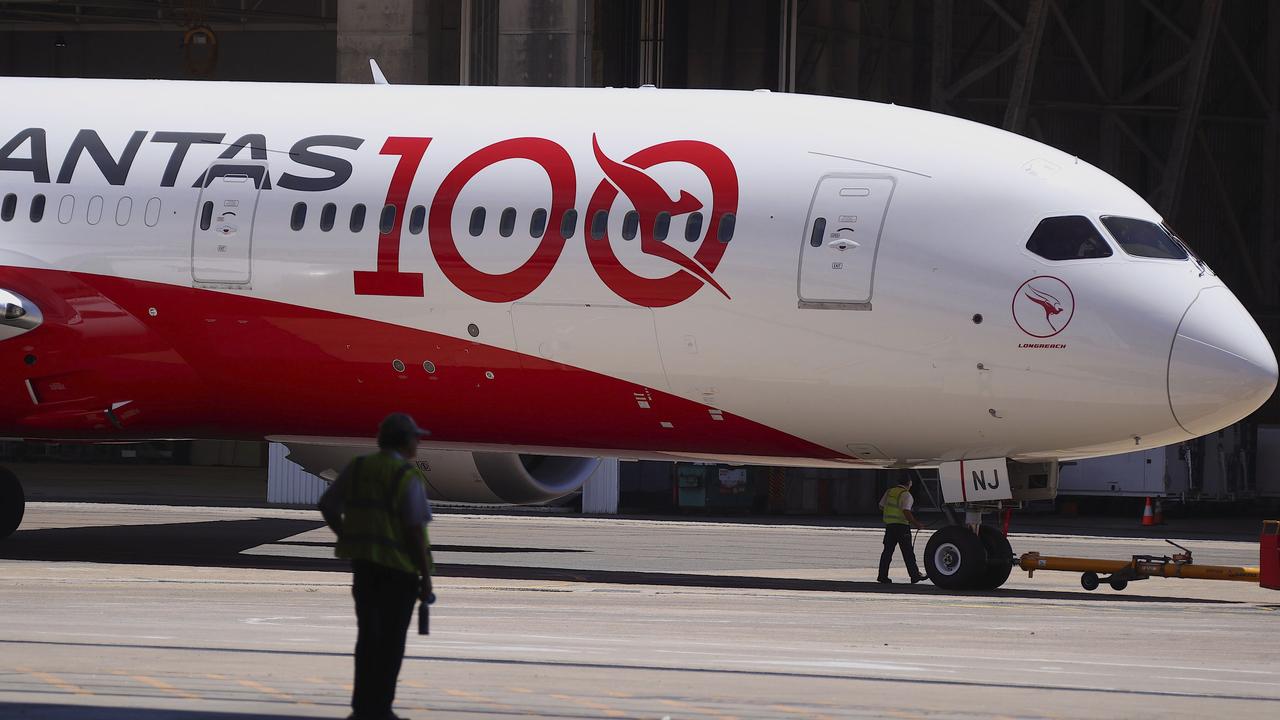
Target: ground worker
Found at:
896, 504
378, 509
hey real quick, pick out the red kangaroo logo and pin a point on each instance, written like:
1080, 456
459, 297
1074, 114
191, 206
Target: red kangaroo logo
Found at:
649, 200
1050, 304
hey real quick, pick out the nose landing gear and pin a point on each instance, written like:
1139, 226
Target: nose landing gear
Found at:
13, 503
958, 558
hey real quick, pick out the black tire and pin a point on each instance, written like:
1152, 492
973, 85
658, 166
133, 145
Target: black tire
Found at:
13, 503
1117, 584
999, 557
1089, 581
955, 558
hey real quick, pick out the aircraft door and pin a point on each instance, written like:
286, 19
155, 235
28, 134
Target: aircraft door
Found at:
222, 243
842, 235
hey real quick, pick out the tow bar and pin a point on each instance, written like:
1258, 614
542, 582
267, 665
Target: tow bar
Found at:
1121, 572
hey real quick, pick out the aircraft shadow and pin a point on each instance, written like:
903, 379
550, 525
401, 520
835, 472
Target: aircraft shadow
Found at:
21, 711
223, 544
495, 549
54, 711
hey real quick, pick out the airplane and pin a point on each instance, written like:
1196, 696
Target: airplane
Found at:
547, 276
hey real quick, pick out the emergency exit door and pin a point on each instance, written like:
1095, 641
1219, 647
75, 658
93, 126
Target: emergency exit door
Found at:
222, 246
838, 258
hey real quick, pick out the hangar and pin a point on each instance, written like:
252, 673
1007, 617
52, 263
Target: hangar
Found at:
1180, 99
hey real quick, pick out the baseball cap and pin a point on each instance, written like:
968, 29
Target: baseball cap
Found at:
399, 429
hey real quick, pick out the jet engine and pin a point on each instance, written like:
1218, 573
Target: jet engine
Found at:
472, 477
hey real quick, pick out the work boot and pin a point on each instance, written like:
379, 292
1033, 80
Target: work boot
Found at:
919, 578
884, 581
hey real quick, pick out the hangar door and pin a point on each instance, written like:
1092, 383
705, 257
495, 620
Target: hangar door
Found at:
222, 243
838, 257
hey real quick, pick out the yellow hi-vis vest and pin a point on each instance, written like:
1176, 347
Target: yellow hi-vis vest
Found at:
371, 526
893, 514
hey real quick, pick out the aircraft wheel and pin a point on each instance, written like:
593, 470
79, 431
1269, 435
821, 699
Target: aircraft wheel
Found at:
13, 503
1089, 581
1117, 584
999, 557
955, 558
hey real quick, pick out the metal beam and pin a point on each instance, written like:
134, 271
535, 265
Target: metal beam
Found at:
1270, 243
166, 26
1015, 116
1113, 42
1245, 69
1250, 268
1189, 115
940, 66
788, 19
1081, 57
981, 71
1134, 94
653, 22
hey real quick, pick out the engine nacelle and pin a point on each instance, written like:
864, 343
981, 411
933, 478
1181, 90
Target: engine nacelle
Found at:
473, 477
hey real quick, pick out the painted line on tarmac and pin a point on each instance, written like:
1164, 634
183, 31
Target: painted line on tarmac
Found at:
162, 685
54, 680
473, 697
583, 702
688, 707
803, 712
268, 690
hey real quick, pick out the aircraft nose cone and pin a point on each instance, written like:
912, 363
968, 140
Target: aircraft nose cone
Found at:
1221, 367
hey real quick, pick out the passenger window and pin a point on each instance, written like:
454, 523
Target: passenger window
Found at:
569, 224
1144, 239
152, 214
8, 207
727, 223
299, 216
124, 211
328, 214
507, 223
693, 227
599, 224
630, 225
538, 223
94, 214
357, 218
387, 220
37, 208
661, 226
1070, 237
819, 230
66, 209
477, 222
417, 219
206, 215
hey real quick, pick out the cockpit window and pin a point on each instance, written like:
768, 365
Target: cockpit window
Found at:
1070, 237
1144, 239
1200, 263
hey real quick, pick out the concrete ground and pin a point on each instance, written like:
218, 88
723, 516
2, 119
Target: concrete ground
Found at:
122, 611
126, 611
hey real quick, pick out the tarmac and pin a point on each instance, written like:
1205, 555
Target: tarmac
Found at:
121, 610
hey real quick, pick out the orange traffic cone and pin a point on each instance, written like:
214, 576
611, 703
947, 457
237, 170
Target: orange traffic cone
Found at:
1159, 512
1148, 518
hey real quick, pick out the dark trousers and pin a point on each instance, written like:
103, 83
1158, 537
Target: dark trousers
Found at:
897, 534
384, 605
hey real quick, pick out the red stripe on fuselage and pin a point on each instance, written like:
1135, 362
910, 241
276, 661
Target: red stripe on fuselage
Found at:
221, 365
